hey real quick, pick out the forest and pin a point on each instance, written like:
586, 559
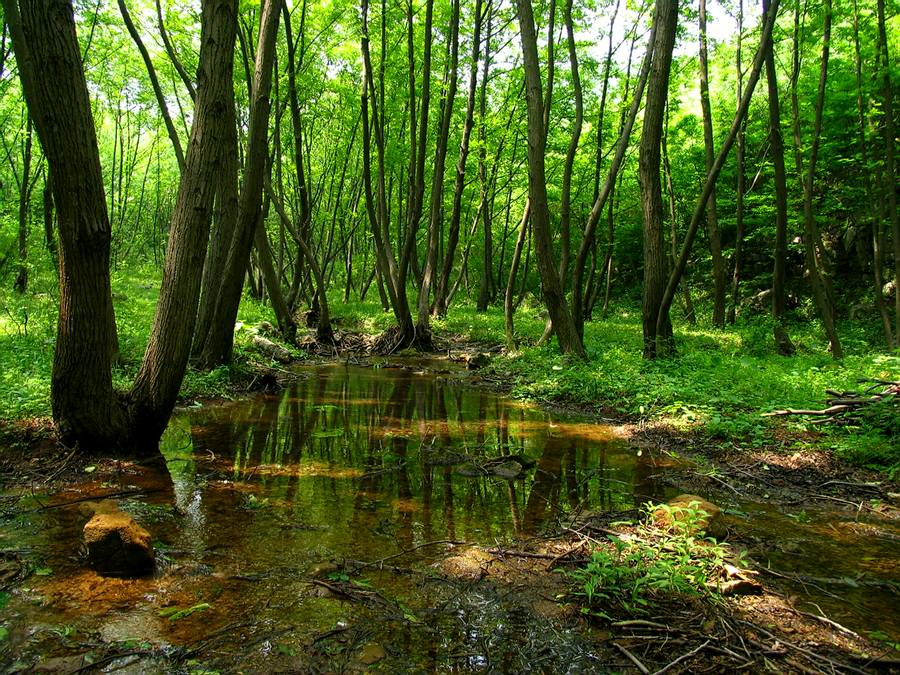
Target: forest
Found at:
675, 218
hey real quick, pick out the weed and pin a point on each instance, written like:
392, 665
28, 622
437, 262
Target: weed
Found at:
637, 570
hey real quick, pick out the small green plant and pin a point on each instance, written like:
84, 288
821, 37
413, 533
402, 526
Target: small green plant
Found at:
631, 573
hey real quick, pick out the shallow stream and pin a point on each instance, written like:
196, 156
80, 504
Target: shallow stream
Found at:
268, 496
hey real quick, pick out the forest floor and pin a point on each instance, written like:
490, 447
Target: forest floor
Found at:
705, 405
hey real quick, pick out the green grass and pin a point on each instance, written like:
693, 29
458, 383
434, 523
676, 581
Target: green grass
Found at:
718, 384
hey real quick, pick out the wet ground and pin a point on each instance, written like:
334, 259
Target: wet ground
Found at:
388, 473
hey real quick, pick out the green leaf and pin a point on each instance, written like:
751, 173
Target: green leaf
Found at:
43, 571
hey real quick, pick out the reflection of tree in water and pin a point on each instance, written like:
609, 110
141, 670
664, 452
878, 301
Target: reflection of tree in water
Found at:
375, 449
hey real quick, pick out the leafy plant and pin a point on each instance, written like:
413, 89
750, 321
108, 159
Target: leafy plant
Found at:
635, 571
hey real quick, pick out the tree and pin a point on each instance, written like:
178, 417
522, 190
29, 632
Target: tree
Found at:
86, 409
656, 334
566, 334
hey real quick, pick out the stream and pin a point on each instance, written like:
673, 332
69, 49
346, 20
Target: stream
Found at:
364, 464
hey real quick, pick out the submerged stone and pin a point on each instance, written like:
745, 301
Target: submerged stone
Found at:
117, 545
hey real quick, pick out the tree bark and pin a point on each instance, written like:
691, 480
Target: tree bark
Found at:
566, 333
85, 408
712, 216
21, 282
815, 255
218, 345
678, 271
657, 335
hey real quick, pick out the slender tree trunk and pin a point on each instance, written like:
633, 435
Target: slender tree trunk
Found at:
626, 125
815, 255
689, 312
782, 338
443, 281
712, 217
435, 217
741, 181
21, 283
565, 209
889, 158
173, 57
508, 308
678, 271
875, 220
154, 81
656, 337
217, 348
564, 326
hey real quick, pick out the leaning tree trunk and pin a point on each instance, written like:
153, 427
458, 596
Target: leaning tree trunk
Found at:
656, 337
566, 333
678, 271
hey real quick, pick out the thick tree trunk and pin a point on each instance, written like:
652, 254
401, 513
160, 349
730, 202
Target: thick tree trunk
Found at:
86, 409
656, 336
564, 326
49, 230
217, 347
165, 360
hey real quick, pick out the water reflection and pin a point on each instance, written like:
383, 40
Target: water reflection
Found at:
380, 450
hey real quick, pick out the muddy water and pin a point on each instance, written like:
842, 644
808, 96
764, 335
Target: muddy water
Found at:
394, 464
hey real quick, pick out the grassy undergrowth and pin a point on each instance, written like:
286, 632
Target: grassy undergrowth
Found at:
718, 384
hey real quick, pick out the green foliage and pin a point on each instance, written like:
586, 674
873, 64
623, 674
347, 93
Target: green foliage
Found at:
635, 571
719, 383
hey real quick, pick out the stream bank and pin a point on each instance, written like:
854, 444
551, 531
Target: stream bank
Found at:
330, 526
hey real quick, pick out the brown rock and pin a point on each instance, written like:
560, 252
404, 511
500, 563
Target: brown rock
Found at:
709, 519
117, 545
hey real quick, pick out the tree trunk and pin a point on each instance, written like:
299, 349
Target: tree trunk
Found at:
443, 281
889, 160
782, 339
435, 217
21, 282
656, 336
508, 308
712, 216
625, 127
85, 408
564, 326
154, 81
741, 182
49, 232
815, 255
678, 271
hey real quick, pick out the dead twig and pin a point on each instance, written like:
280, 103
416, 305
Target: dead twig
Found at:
631, 657
683, 657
